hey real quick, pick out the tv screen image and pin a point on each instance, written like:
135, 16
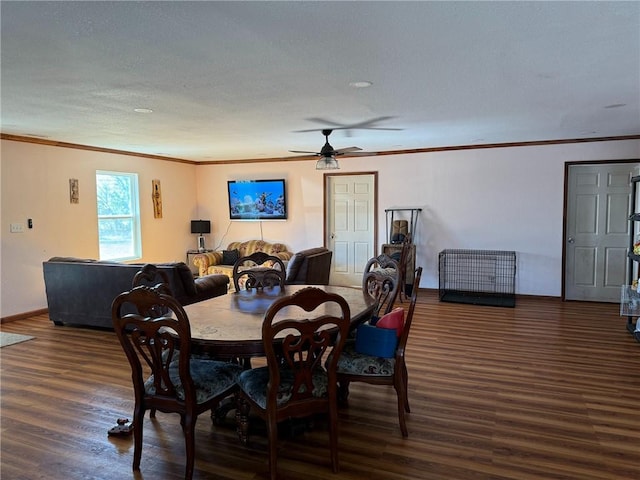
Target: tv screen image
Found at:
257, 199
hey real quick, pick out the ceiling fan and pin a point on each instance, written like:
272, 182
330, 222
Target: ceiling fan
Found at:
328, 153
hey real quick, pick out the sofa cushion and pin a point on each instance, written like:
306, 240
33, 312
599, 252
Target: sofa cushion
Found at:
230, 257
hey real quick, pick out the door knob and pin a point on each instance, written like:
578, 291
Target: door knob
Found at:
571, 240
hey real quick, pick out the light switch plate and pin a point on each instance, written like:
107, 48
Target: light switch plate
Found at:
17, 228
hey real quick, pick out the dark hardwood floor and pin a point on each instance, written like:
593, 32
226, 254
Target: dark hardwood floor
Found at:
545, 390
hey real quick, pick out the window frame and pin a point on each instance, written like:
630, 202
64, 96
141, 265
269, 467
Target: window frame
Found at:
134, 216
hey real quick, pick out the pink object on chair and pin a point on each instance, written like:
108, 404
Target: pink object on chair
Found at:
393, 320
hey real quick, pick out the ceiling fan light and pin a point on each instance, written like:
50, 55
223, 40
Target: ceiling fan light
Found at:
327, 163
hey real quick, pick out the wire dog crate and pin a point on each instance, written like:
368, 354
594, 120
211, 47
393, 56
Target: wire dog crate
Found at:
479, 277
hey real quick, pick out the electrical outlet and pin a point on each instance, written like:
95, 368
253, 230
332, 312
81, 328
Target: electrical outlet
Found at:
17, 228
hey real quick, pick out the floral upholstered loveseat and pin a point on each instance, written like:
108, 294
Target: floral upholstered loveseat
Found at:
221, 262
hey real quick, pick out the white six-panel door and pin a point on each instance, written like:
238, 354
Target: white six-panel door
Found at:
350, 229
597, 231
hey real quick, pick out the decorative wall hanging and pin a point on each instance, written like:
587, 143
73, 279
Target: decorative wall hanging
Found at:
74, 194
157, 198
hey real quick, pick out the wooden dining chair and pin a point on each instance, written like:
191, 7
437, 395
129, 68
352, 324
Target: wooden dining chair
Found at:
381, 281
359, 367
258, 270
164, 375
295, 384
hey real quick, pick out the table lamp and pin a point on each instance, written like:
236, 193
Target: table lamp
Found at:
200, 227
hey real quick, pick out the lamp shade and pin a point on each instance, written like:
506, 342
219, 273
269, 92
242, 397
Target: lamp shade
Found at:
200, 226
327, 163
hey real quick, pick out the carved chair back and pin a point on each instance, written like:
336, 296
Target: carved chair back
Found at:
381, 281
258, 270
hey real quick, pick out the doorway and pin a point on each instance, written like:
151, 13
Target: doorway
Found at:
351, 210
596, 239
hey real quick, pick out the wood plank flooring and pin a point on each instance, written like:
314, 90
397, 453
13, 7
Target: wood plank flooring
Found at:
545, 390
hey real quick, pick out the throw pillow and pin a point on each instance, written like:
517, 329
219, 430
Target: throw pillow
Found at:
229, 257
393, 320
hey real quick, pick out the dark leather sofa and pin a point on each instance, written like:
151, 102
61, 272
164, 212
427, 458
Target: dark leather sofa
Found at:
80, 291
309, 267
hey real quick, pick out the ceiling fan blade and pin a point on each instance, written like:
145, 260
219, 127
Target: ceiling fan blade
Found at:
367, 123
328, 124
347, 150
378, 128
324, 121
303, 151
363, 154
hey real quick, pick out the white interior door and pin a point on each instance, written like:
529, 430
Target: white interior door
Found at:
350, 205
597, 231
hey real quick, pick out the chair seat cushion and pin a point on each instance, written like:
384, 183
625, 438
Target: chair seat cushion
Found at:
254, 383
354, 363
210, 377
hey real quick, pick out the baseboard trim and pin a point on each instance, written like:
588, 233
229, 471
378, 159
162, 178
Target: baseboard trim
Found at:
22, 316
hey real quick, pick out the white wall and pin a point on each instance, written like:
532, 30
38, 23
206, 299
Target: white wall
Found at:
501, 198
35, 184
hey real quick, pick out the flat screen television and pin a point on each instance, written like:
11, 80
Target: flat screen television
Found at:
257, 199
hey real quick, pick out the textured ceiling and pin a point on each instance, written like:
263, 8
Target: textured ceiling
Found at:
237, 80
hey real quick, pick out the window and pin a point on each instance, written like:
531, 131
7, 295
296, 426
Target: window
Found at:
118, 215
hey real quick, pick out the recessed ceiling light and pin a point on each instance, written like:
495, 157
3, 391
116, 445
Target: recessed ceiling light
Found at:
143, 110
616, 105
360, 84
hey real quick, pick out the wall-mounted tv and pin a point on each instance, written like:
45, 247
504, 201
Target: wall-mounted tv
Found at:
257, 199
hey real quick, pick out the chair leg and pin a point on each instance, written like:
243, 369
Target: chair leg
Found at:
402, 402
188, 422
405, 381
333, 437
242, 419
272, 429
138, 422
343, 392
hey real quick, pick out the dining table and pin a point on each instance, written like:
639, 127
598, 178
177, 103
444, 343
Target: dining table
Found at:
230, 326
